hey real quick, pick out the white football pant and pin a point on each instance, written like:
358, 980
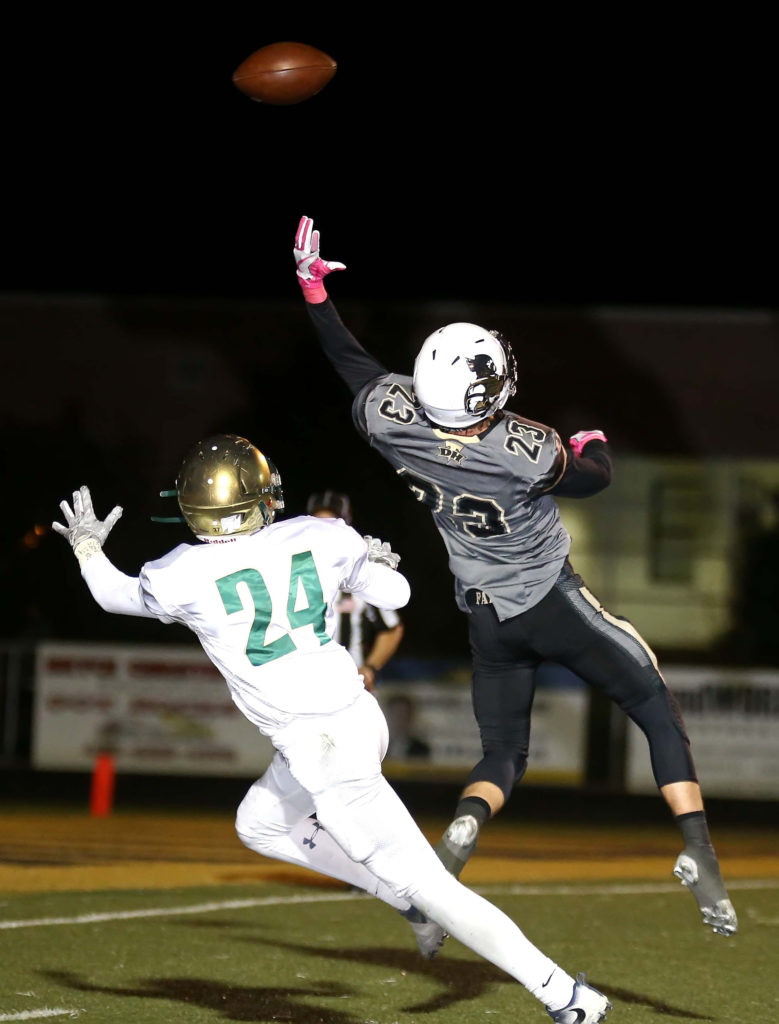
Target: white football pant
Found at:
330, 765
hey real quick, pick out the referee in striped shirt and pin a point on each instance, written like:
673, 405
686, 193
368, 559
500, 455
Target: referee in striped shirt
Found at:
371, 635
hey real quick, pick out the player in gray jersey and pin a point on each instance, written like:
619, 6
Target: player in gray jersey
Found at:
490, 478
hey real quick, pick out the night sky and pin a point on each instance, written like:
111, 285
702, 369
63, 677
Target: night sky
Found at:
560, 161
543, 159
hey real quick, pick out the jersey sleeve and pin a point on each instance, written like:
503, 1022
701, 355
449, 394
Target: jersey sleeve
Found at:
157, 594
376, 584
536, 453
553, 470
385, 406
360, 404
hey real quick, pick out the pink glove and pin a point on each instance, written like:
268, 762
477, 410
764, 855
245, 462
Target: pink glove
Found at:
312, 269
578, 441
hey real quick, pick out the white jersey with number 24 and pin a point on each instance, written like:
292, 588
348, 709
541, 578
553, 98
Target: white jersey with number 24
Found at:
262, 607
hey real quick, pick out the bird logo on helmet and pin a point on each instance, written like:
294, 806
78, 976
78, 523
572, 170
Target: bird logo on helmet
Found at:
463, 374
227, 487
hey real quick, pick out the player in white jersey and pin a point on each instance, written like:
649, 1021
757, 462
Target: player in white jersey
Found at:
259, 596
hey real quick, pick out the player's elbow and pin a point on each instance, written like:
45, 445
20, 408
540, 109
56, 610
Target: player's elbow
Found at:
403, 595
384, 587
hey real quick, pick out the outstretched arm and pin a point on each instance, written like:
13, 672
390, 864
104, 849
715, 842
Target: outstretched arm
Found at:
352, 363
86, 534
588, 467
375, 577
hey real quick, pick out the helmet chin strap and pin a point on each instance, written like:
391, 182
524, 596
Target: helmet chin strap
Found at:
267, 515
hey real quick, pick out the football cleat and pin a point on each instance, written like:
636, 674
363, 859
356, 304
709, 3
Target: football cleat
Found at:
429, 935
587, 1005
704, 882
458, 843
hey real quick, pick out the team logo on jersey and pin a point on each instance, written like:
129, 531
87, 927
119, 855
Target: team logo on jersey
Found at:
452, 452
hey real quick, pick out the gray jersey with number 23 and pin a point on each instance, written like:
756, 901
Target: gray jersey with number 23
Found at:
504, 536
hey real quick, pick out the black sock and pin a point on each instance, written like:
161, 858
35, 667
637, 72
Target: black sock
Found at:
709, 888
453, 858
694, 829
475, 806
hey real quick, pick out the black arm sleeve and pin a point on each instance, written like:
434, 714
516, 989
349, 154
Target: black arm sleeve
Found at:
585, 475
349, 359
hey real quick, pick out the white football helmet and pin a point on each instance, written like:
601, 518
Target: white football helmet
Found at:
464, 373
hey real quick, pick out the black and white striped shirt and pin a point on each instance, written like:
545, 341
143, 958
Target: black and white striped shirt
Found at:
357, 624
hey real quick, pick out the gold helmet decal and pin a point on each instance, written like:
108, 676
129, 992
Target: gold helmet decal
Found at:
226, 486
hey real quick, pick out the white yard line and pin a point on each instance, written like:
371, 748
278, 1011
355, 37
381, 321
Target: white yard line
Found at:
38, 1014
614, 888
195, 908
608, 889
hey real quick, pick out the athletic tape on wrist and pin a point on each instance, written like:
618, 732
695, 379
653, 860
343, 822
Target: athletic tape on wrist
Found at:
86, 548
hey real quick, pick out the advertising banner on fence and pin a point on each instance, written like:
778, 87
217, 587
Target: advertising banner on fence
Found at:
166, 710
433, 731
161, 710
732, 718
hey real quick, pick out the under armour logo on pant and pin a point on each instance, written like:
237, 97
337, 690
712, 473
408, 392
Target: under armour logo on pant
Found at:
309, 840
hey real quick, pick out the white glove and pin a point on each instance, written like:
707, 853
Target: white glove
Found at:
85, 533
381, 552
312, 269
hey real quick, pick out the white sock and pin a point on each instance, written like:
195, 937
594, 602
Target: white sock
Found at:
492, 934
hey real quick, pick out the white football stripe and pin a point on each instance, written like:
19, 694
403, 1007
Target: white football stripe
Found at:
38, 1014
196, 908
603, 889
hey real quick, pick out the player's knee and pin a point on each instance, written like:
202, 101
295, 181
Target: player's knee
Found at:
660, 719
502, 767
255, 824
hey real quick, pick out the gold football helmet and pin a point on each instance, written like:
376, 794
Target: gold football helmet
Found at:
226, 486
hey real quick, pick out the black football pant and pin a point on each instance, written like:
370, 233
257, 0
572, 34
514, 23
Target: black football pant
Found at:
569, 627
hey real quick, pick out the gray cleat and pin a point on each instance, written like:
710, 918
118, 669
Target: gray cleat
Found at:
458, 843
587, 1005
429, 935
705, 883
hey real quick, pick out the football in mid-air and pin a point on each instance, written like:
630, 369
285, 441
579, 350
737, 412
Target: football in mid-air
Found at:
284, 73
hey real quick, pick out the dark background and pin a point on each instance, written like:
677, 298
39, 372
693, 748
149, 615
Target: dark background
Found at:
562, 163
562, 158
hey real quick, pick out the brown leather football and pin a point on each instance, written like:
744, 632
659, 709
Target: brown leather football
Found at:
284, 73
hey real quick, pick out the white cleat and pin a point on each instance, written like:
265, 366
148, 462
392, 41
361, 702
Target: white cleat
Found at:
718, 914
429, 935
587, 1005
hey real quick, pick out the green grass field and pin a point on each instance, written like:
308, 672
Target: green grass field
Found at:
314, 954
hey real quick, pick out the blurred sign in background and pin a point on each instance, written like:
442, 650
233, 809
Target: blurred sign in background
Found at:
683, 543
